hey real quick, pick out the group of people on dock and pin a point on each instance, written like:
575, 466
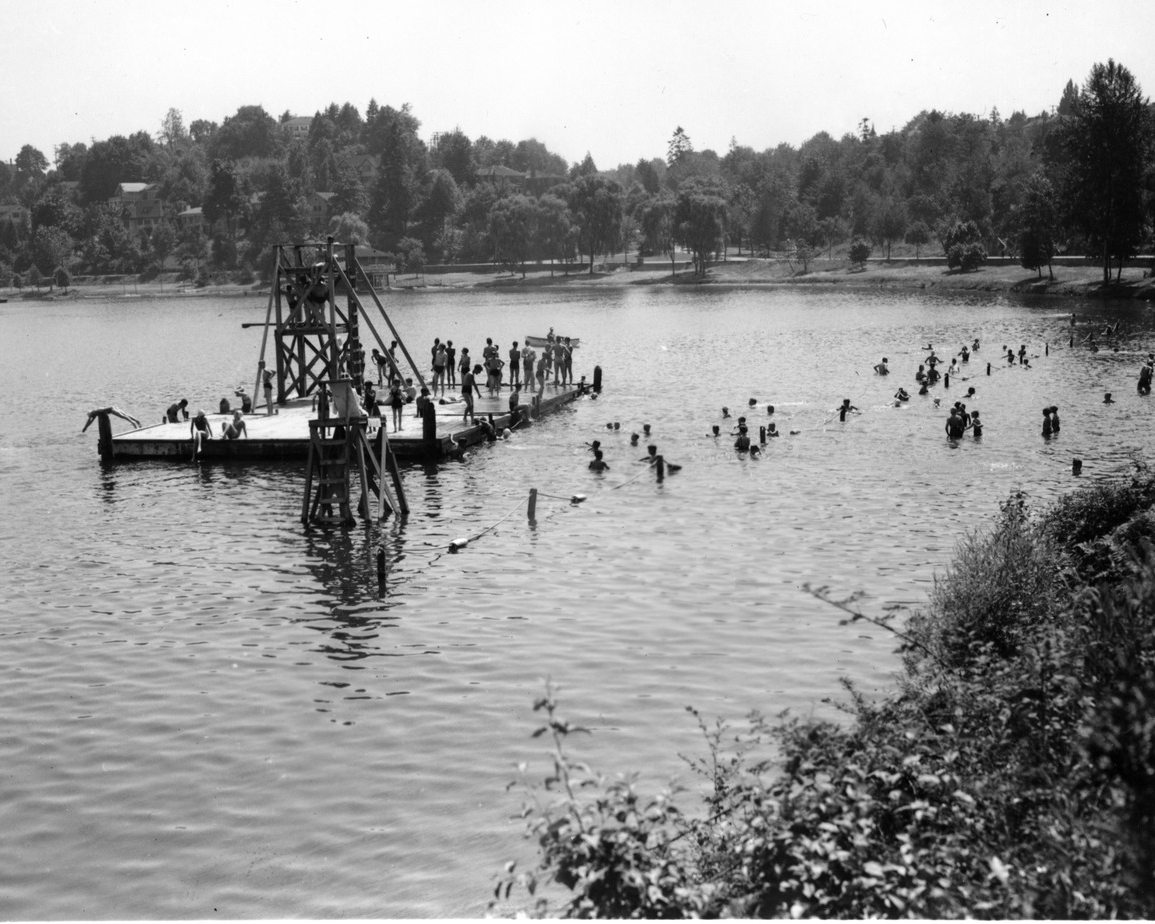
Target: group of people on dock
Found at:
523, 367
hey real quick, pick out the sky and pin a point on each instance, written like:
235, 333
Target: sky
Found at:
613, 79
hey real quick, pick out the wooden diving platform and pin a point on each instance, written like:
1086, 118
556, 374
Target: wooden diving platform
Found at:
285, 435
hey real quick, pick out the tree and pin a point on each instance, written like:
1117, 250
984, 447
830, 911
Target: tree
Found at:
62, 278
859, 251
349, 194
172, 130
699, 219
890, 223
962, 243
1039, 225
30, 161
678, 147
919, 235
554, 229
512, 225
51, 247
596, 205
224, 198
250, 132
349, 228
162, 241
1108, 142
454, 152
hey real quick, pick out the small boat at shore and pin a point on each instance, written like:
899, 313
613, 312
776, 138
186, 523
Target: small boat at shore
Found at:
574, 342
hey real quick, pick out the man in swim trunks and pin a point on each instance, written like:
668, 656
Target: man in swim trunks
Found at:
175, 410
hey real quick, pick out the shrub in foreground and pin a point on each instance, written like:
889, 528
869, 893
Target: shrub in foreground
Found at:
1011, 775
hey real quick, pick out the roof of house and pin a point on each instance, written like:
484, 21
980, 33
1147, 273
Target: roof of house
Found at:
132, 187
498, 170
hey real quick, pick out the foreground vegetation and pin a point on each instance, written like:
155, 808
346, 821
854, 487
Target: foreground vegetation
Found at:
1010, 775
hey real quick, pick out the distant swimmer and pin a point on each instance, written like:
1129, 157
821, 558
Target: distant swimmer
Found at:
725, 413
1144, 383
1107, 399
955, 425
742, 443
976, 425
901, 395
881, 368
598, 464
772, 431
845, 408
924, 389
1048, 427
1055, 418
975, 345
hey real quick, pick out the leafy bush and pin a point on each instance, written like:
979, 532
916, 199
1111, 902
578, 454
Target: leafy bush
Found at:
1012, 774
962, 244
859, 251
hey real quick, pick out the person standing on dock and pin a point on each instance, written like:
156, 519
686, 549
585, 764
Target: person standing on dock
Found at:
514, 366
567, 363
267, 376
396, 402
468, 387
542, 371
440, 358
558, 360
494, 366
450, 363
528, 358
465, 363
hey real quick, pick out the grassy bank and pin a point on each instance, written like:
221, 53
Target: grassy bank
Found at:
1010, 774
906, 272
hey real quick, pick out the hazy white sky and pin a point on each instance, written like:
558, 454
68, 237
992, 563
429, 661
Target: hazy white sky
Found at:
612, 77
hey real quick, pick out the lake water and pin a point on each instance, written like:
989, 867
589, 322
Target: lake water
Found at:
209, 711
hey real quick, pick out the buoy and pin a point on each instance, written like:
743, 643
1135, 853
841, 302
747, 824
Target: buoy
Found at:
762, 435
597, 379
988, 368
716, 430
753, 401
458, 544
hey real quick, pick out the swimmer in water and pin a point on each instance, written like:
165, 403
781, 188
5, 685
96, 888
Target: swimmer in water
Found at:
1048, 427
881, 368
901, 395
845, 409
598, 464
923, 390
772, 431
976, 426
1055, 418
1107, 399
725, 412
742, 443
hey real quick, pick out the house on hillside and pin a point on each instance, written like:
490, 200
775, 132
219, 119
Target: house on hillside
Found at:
501, 177
319, 208
297, 126
363, 165
140, 204
16, 213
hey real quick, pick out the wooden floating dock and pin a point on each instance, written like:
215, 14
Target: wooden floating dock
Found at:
285, 435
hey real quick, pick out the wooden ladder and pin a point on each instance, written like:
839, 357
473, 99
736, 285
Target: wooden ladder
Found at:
336, 447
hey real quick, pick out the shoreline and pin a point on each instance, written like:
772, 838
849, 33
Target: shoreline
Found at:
1083, 280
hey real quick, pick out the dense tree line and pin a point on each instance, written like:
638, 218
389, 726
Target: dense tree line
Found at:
1078, 179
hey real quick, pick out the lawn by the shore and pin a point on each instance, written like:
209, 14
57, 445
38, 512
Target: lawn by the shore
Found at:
1082, 280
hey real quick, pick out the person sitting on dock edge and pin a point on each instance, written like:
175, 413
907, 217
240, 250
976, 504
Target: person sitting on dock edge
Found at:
236, 428
200, 429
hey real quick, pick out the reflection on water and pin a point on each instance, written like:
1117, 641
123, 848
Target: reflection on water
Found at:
234, 713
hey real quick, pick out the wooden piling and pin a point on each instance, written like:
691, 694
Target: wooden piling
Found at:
531, 511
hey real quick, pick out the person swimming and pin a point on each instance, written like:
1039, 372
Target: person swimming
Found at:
976, 425
881, 368
845, 409
1107, 399
901, 395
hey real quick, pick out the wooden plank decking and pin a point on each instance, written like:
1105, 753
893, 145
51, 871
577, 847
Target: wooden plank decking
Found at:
285, 435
